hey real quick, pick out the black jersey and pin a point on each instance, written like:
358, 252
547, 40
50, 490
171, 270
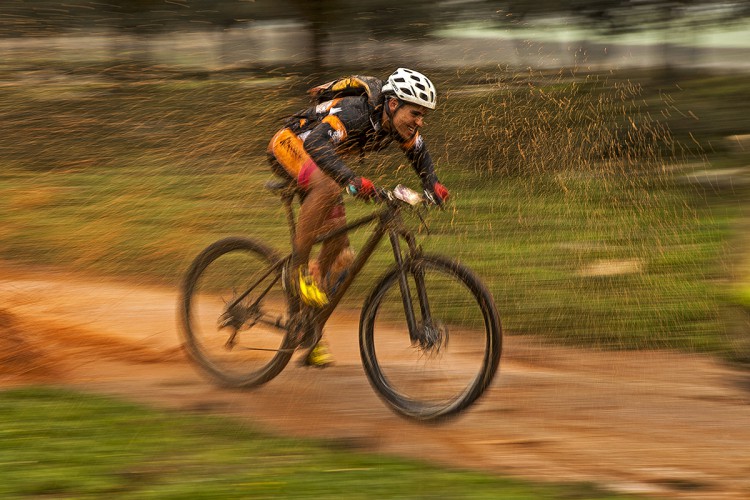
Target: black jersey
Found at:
351, 125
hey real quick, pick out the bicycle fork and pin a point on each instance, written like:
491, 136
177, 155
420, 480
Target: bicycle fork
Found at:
425, 334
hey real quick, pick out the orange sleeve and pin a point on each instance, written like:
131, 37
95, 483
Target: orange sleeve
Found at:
338, 127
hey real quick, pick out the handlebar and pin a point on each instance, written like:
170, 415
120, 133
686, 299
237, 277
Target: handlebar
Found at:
403, 194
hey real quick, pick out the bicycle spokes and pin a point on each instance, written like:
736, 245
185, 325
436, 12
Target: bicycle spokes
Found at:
238, 313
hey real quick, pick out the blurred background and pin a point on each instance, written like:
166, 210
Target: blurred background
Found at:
598, 150
213, 35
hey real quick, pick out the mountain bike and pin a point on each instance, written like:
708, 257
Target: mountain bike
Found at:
429, 333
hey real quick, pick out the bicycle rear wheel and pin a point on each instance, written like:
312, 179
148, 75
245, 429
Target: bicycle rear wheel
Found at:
457, 352
234, 313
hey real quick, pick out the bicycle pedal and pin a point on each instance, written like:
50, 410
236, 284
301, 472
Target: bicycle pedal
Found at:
318, 356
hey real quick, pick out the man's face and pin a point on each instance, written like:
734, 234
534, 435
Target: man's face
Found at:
407, 119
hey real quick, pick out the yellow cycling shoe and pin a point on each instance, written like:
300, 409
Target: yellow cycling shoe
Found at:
309, 291
319, 356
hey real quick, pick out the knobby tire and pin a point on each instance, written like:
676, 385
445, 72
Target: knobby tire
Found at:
431, 384
218, 275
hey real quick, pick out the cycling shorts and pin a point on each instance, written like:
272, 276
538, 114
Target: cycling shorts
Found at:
289, 159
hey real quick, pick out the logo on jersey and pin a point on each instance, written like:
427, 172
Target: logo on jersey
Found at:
328, 107
323, 107
419, 143
336, 135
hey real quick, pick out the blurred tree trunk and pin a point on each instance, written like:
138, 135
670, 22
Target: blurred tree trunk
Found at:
318, 15
318, 52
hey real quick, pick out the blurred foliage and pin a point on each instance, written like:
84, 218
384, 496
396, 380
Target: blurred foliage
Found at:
377, 18
327, 21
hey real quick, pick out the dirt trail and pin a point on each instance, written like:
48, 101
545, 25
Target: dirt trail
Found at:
659, 423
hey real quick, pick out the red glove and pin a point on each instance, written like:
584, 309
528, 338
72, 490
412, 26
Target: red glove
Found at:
362, 188
441, 193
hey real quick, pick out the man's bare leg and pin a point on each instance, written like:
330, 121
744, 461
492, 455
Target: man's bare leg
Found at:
331, 249
322, 195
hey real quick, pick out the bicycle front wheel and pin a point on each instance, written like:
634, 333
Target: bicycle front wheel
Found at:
235, 313
453, 351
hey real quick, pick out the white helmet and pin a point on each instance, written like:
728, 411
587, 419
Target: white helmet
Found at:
412, 87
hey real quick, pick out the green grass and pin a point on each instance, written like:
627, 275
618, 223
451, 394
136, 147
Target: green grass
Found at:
63, 444
567, 199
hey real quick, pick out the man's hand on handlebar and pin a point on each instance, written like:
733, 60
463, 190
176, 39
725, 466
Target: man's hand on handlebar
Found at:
363, 189
437, 195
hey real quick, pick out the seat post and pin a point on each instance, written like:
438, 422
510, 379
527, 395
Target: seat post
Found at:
287, 189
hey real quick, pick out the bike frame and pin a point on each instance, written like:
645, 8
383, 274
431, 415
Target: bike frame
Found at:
293, 325
388, 222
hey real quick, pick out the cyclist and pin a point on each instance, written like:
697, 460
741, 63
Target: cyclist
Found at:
310, 149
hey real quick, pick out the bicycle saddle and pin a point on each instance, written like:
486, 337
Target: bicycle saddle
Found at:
285, 188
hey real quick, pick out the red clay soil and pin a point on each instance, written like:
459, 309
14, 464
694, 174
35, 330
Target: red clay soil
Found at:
657, 423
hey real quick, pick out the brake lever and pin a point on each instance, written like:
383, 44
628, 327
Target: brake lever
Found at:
431, 199
384, 194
